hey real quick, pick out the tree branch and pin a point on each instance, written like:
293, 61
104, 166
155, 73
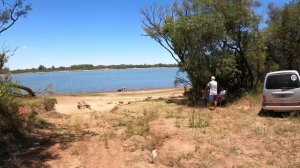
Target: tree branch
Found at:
13, 12
154, 23
27, 89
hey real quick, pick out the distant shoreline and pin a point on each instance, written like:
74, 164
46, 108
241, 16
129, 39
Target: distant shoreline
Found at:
93, 68
82, 70
133, 91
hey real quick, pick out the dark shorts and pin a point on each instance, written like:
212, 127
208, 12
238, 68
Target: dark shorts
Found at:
212, 98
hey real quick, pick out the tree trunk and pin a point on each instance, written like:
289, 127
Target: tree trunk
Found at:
27, 89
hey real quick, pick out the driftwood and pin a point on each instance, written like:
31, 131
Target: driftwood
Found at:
27, 89
83, 105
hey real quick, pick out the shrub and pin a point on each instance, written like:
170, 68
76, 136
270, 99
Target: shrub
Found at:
11, 124
50, 103
8, 110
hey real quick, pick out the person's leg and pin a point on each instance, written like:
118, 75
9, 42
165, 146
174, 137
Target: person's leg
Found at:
218, 100
210, 100
215, 101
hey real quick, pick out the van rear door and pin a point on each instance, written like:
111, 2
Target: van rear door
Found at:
282, 89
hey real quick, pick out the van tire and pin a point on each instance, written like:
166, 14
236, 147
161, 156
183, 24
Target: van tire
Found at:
265, 113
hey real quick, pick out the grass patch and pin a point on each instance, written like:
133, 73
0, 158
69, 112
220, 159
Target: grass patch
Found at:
284, 129
195, 121
261, 131
170, 114
105, 136
175, 113
47, 103
120, 122
140, 126
34, 121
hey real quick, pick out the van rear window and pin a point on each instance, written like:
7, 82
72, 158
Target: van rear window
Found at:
283, 81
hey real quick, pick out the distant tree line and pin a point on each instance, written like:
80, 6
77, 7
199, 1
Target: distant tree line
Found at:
227, 39
42, 68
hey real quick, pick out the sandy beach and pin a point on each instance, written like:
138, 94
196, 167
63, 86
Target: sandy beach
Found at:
67, 104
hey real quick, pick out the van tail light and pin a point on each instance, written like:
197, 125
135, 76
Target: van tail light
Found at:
264, 99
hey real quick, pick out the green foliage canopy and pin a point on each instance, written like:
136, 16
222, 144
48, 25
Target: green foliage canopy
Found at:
283, 36
211, 37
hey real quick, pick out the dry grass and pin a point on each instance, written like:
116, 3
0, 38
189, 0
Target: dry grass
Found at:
232, 136
140, 126
195, 121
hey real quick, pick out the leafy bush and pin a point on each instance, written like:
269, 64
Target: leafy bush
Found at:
50, 103
8, 109
11, 124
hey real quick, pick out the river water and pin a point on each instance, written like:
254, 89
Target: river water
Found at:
100, 80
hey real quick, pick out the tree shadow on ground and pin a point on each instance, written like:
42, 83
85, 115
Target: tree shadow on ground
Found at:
290, 114
201, 103
34, 151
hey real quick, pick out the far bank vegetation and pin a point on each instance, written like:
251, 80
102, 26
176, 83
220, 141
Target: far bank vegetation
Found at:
42, 68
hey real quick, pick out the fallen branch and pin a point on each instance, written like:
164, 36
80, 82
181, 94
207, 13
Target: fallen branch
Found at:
27, 89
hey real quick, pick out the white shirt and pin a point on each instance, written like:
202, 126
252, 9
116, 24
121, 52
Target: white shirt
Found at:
213, 87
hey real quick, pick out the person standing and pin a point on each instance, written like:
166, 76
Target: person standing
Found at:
213, 92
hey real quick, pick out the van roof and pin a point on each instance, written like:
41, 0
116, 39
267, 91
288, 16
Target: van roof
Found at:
283, 72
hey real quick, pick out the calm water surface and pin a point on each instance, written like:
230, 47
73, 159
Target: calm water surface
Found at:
100, 80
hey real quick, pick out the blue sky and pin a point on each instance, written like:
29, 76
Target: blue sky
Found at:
68, 32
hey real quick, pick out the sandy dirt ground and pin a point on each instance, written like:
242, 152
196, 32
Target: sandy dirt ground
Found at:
138, 129
67, 104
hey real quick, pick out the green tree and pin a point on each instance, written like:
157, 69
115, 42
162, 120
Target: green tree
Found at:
242, 39
10, 122
10, 12
42, 68
283, 36
210, 37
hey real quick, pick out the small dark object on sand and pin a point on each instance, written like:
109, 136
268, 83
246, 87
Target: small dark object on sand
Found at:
83, 105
